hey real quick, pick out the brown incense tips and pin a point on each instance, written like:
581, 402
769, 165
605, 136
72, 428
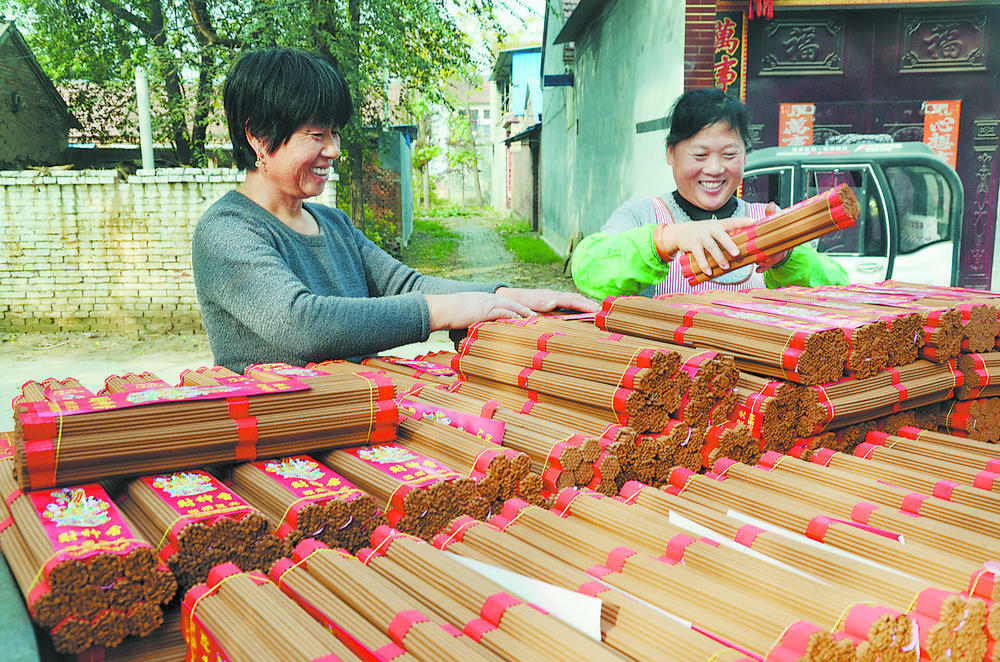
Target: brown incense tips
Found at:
200, 523
302, 498
418, 494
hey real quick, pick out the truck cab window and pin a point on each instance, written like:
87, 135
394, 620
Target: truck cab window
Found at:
923, 203
869, 236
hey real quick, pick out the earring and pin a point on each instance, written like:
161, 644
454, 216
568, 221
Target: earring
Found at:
258, 164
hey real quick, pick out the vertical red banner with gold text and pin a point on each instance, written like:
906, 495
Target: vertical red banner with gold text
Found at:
941, 128
795, 123
730, 62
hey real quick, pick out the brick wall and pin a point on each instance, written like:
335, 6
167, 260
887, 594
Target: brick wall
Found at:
87, 251
699, 43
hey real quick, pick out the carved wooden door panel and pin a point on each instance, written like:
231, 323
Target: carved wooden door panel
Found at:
871, 71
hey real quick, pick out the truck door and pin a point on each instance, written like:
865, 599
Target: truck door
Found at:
924, 202
863, 250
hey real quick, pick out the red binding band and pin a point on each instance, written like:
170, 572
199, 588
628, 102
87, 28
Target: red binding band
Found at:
496, 605
816, 529
239, 407
477, 627
747, 535
246, 432
402, 622
912, 502
617, 558
593, 588
522, 377
489, 408
676, 547
943, 489
537, 359
862, 511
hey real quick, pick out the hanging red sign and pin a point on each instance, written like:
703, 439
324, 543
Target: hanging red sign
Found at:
729, 66
941, 128
795, 123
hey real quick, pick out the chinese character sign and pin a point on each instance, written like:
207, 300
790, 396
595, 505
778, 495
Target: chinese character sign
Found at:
795, 123
941, 128
729, 67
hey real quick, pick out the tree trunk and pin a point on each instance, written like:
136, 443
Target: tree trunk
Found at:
355, 149
427, 187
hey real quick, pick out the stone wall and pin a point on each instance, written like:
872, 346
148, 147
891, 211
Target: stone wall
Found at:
88, 251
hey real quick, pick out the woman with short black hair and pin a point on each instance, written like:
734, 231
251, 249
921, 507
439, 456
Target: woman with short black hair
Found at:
284, 280
638, 248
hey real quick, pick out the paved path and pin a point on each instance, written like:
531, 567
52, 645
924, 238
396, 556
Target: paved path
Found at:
480, 253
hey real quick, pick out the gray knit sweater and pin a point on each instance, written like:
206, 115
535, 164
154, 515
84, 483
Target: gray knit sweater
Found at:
270, 294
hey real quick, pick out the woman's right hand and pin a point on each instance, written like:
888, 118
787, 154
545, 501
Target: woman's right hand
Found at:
462, 310
699, 238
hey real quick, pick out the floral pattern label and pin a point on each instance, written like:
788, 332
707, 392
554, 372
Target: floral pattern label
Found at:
795, 312
422, 367
81, 521
487, 429
304, 477
58, 405
403, 465
195, 494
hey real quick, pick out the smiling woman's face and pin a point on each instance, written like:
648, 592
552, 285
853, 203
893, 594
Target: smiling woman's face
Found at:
300, 168
708, 166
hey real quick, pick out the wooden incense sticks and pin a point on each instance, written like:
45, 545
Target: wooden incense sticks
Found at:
243, 616
385, 605
805, 353
85, 576
552, 638
708, 602
814, 217
302, 498
627, 625
417, 493
198, 523
332, 612
72, 439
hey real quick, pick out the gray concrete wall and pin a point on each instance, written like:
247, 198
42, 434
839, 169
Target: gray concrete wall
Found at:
628, 69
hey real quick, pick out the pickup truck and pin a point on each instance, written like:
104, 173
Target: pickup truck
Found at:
911, 205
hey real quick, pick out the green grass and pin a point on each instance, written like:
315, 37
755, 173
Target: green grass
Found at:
431, 245
525, 244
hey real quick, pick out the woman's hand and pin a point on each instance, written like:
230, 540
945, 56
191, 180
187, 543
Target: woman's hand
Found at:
543, 301
699, 238
462, 310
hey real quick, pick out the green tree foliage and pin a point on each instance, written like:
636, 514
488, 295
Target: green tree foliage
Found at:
383, 48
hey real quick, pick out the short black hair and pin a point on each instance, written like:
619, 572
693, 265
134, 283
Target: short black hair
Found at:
275, 92
701, 107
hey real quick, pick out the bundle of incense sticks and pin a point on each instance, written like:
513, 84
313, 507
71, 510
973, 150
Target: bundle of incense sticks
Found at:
912, 479
553, 639
199, 523
655, 535
681, 380
302, 498
981, 374
243, 616
770, 345
417, 493
709, 602
498, 471
938, 628
848, 401
625, 403
979, 308
945, 449
628, 625
867, 339
977, 419
913, 522
559, 455
814, 217
384, 604
772, 410
879, 494
86, 578
75, 436
437, 371
909, 594
941, 323
364, 639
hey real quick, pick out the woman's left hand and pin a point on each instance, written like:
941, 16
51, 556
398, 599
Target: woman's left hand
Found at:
543, 301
